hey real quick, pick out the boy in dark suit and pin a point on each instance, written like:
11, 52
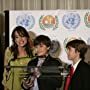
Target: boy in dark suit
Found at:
43, 80
80, 80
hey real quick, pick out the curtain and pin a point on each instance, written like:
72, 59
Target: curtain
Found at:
43, 4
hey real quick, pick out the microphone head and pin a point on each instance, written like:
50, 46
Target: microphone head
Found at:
8, 68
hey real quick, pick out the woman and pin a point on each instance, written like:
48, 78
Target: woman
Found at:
16, 56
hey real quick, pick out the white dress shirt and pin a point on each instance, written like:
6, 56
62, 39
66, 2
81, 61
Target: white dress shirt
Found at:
40, 62
76, 64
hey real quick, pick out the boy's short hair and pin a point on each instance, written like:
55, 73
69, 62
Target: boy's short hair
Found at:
79, 46
42, 39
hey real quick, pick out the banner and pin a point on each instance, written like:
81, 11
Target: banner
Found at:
60, 25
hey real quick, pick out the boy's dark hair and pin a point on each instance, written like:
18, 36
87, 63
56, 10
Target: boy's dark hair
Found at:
42, 39
79, 46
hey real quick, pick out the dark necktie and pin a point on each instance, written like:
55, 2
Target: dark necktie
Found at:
68, 78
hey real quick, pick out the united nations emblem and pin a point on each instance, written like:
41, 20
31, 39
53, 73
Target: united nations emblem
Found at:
55, 48
25, 20
49, 21
55, 45
71, 20
87, 19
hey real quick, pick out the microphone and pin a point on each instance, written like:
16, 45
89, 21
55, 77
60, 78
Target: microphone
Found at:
64, 70
8, 67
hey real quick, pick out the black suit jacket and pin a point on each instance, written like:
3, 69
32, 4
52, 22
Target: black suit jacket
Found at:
46, 81
81, 77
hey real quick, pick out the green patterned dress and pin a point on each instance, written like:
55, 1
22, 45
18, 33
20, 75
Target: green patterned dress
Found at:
16, 73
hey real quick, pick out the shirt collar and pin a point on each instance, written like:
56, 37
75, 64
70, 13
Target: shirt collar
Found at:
76, 64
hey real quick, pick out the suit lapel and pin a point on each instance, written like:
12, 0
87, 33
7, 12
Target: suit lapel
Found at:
77, 71
46, 62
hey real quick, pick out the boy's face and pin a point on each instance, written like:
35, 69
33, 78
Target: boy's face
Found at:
41, 49
72, 54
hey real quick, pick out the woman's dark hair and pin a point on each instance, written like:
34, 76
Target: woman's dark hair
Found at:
14, 48
79, 46
42, 39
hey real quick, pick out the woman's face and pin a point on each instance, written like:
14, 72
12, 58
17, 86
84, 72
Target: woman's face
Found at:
41, 49
20, 40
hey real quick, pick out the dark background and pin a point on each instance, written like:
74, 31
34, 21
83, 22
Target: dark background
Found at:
1, 66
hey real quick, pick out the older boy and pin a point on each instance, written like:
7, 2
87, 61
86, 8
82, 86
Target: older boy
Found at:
79, 78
